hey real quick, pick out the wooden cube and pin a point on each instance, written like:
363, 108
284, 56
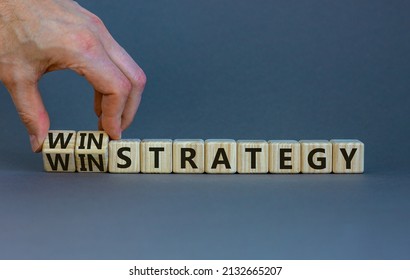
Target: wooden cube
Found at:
188, 156
220, 156
124, 156
284, 156
348, 156
58, 151
252, 156
316, 156
91, 151
156, 156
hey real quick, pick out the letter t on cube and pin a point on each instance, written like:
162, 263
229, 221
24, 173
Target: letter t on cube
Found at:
252, 156
156, 156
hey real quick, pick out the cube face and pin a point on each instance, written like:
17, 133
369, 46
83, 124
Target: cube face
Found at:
124, 156
316, 156
284, 156
252, 156
91, 151
156, 156
58, 151
220, 156
348, 156
188, 156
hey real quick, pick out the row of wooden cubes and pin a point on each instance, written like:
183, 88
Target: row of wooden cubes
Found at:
92, 151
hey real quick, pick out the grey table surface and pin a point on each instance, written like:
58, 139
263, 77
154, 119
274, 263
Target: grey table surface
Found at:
240, 70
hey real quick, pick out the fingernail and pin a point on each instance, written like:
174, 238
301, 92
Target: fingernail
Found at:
35, 144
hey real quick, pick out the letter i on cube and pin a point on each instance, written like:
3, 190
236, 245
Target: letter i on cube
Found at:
91, 151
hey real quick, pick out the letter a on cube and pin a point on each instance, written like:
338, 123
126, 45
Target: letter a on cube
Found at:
220, 156
58, 151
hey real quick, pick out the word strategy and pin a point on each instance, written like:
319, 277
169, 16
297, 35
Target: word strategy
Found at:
92, 151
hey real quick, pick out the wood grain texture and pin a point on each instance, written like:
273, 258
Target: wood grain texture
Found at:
252, 156
316, 156
124, 156
156, 156
348, 156
59, 151
284, 156
188, 156
220, 156
91, 151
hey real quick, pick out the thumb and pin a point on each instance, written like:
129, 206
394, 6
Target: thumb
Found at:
30, 107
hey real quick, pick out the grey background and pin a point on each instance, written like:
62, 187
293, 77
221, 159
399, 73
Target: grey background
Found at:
229, 69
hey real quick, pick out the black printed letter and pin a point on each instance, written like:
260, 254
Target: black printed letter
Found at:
185, 158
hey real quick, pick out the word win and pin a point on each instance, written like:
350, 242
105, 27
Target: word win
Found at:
92, 151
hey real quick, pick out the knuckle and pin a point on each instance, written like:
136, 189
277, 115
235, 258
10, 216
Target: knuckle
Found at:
35, 120
142, 78
83, 41
27, 118
95, 20
14, 79
9, 80
139, 78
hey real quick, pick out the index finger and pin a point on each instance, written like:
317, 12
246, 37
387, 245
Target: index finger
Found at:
108, 80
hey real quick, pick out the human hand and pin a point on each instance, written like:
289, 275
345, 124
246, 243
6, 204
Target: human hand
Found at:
40, 36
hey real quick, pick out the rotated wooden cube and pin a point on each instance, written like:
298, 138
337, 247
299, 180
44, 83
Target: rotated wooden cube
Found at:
284, 156
220, 156
188, 156
316, 156
124, 156
252, 156
91, 151
348, 156
58, 151
156, 156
